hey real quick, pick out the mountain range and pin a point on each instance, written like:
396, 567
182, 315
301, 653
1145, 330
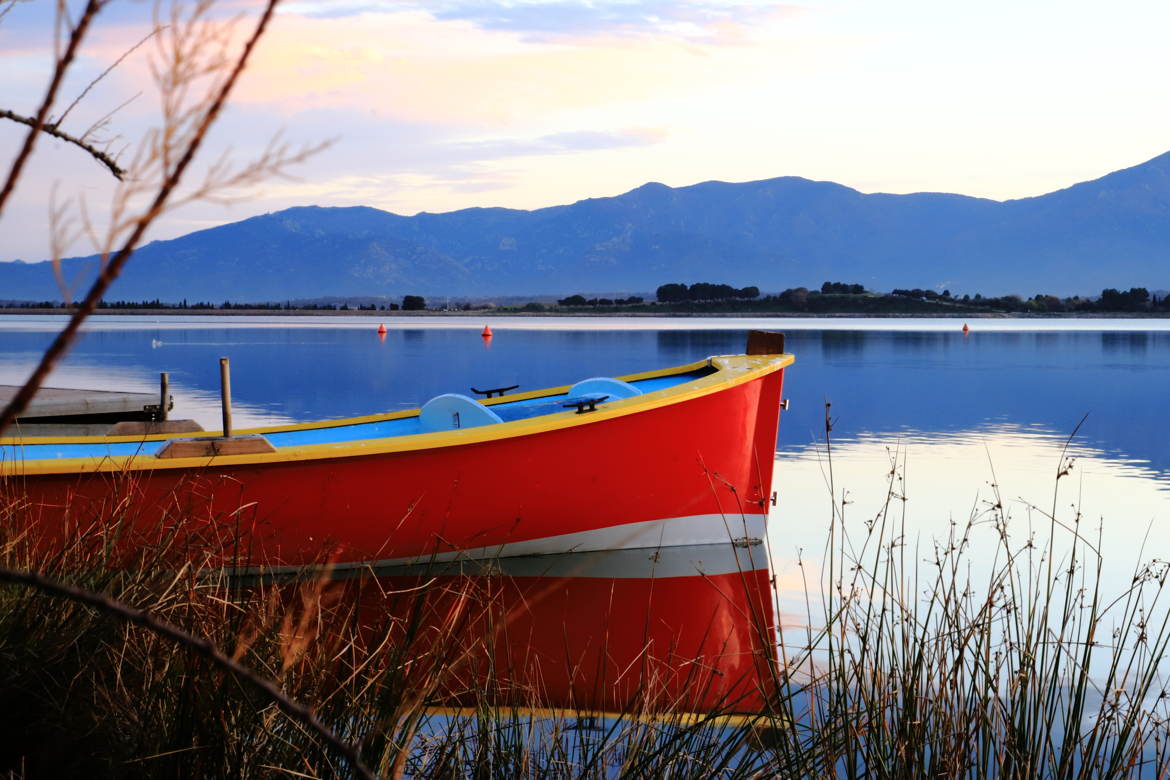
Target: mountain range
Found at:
776, 233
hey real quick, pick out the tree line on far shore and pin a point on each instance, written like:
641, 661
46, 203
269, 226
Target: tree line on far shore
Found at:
843, 297
409, 303
704, 291
832, 297
1136, 299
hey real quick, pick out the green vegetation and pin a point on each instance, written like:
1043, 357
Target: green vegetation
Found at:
580, 300
704, 291
846, 298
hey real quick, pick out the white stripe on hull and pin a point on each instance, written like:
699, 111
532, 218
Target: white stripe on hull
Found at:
649, 534
710, 560
735, 531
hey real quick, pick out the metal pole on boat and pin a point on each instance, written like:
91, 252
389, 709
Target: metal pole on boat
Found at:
225, 391
164, 395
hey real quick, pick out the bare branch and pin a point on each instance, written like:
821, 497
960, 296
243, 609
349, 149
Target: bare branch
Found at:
92, 7
52, 130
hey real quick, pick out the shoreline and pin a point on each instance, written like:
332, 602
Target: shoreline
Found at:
480, 313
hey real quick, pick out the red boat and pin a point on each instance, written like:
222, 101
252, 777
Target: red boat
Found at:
680, 456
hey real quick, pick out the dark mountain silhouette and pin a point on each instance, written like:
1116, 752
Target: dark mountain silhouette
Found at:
777, 233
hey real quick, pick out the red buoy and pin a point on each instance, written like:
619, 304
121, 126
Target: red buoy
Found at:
382, 330
487, 332
966, 329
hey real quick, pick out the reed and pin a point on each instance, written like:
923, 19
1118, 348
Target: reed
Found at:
915, 659
927, 660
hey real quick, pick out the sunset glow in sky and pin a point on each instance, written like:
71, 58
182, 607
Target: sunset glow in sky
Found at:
443, 105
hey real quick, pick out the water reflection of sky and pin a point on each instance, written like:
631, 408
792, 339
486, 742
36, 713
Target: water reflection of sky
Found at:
948, 478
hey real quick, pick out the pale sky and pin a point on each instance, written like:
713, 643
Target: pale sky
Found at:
443, 105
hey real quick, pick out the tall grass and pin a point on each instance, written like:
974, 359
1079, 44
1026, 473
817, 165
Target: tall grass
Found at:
409, 673
931, 660
917, 658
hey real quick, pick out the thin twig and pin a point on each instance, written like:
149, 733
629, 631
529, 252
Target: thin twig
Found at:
54, 131
203, 647
5, 8
104, 73
103, 120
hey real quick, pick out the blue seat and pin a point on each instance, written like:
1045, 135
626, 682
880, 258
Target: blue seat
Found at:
603, 385
452, 411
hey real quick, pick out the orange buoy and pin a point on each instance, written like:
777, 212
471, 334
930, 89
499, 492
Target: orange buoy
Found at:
966, 329
382, 330
487, 332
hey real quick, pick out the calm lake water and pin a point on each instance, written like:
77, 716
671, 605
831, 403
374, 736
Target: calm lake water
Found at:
963, 416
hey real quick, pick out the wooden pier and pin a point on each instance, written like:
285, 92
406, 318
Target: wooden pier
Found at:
59, 404
61, 411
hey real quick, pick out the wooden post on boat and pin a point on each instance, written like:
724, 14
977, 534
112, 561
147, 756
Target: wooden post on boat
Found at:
164, 395
214, 446
765, 342
225, 392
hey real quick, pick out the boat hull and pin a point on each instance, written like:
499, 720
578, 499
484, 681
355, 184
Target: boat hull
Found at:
696, 470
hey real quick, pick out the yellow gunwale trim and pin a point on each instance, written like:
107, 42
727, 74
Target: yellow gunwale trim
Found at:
341, 422
731, 370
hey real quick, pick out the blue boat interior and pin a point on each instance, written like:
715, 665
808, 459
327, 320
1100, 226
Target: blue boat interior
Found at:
443, 413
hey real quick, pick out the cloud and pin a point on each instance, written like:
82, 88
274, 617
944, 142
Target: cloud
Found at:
553, 143
410, 66
703, 21
424, 165
406, 167
338, 9
369, 144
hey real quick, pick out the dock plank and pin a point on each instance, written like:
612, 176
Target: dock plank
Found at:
72, 402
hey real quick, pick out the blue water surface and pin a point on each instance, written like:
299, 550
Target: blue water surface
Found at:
877, 380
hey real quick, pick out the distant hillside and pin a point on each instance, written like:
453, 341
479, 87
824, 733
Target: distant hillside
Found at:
777, 233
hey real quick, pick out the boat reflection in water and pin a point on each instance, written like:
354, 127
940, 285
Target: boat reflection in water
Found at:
680, 629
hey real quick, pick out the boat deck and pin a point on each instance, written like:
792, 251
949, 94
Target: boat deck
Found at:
344, 431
